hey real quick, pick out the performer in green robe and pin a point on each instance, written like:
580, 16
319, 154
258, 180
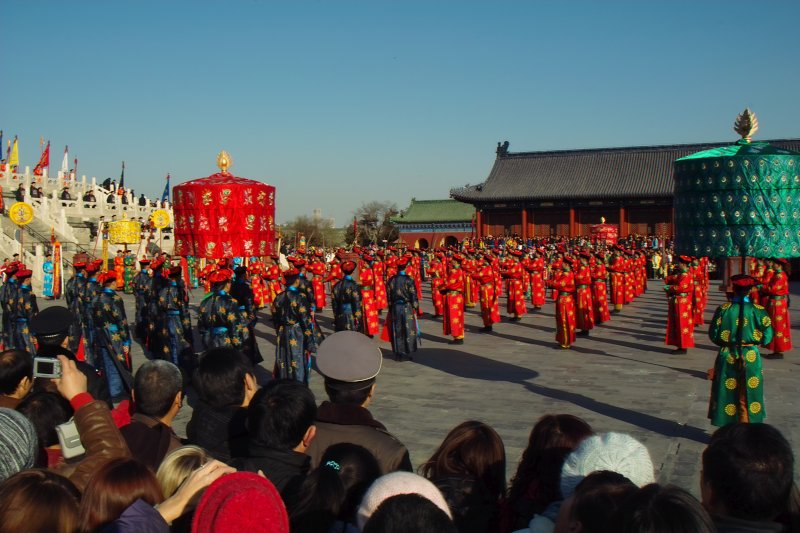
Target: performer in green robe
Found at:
130, 272
738, 328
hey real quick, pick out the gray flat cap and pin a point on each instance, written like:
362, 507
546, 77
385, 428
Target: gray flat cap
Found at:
349, 356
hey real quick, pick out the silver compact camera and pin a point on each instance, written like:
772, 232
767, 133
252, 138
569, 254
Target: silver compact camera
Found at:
46, 367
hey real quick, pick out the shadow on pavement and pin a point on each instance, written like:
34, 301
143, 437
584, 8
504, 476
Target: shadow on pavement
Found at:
662, 426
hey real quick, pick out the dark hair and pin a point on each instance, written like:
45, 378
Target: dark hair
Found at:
539, 471
657, 509
473, 450
14, 365
155, 386
39, 500
749, 468
280, 414
219, 376
409, 513
46, 410
114, 487
334, 490
240, 271
596, 499
342, 393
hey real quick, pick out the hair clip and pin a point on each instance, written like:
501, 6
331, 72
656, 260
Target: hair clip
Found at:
334, 465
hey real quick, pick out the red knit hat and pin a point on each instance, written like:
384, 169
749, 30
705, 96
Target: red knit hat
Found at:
92, 267
240, 502
106, 277
348, 267
25, 273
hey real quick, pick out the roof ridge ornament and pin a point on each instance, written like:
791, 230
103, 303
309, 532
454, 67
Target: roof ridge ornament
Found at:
502, 149
224, 161
746, 124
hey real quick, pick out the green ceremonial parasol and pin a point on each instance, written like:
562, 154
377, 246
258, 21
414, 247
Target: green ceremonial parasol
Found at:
738, 200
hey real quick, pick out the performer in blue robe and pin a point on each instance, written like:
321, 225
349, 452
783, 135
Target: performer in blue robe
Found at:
403, 305
346, 301
49, 269
294, 327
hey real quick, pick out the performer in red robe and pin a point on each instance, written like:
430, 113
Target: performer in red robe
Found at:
318, 269
584, 314
630, 278
617, 268
379, 273
335, 273
369, 309
563, 283
119, 270
484, 279
453, 290
599, 297
513, 274
680, 327
437, 274
536, 276
777, 291
272, 280
414, 269
698, 307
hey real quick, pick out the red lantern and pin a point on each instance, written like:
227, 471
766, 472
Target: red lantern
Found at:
224, 216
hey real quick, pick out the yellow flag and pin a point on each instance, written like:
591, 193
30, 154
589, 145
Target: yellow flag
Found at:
13, 160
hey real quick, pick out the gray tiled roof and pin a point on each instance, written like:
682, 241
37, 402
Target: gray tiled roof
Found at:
633, 172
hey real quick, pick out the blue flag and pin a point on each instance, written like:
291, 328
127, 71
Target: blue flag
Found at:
165, 196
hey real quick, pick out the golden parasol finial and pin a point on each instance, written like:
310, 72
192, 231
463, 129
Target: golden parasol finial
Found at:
224, 161
746, 124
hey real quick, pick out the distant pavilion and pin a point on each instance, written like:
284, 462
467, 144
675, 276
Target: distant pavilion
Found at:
435, 223
563, 192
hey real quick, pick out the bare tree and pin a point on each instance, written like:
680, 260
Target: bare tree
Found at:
374, 223
316, 232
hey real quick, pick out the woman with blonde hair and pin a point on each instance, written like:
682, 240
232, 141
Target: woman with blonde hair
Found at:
178, 465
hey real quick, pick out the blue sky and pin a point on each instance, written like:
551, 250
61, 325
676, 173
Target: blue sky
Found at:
338, 103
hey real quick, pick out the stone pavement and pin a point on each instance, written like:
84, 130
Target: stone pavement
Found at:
621, 378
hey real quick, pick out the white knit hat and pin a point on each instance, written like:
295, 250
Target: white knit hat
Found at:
398, 483
616, 452
18, 443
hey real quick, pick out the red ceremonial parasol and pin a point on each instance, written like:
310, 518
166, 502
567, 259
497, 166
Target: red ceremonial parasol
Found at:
607, 233
224, 215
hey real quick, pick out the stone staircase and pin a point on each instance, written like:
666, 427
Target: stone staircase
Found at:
75, 223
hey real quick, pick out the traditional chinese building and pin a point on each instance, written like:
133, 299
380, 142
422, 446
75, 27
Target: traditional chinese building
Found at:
564, 192
435, 223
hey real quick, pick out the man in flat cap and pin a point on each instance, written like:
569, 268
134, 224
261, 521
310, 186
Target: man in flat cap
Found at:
350, 363
52, 328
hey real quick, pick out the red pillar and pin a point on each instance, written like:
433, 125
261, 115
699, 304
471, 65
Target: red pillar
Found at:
623, 224
571, 222
479, 223
524, 224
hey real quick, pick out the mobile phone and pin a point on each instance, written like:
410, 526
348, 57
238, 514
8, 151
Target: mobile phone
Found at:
46, 367
70, 440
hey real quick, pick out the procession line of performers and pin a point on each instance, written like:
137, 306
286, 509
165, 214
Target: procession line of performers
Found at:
582, 283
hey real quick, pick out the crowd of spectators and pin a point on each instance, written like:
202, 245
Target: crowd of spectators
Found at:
274, 458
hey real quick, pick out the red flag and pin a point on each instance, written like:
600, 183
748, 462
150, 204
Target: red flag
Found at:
44, 161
